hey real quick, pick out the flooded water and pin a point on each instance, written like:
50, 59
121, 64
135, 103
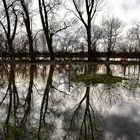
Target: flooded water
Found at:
59, 102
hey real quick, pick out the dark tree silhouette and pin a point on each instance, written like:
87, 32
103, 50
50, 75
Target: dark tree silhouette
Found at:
88, 8
111, 32
47, 10
83, 124
9, 23
45, 100
13, 103
28, 100
28, 24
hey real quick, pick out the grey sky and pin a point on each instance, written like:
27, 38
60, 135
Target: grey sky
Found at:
131, 5
126, 10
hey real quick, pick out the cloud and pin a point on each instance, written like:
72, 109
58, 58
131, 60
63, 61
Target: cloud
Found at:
137, 1
130, 5
126, 11
124, 122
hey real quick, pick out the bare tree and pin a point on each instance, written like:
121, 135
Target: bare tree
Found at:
88, 9
28, 24
48, 13
111, 32
68, 41
133, 36
96, 35
9, 23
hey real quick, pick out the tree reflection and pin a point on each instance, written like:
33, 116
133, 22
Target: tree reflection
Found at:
108, 70
84, 124
13, 103
45, 102
19, 122
18, 109
28, 100
133, 81
39, 105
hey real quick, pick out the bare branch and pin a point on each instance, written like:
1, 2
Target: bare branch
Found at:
80, 14
3, 27
15, 25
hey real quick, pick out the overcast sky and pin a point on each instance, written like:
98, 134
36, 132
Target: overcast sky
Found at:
126, 10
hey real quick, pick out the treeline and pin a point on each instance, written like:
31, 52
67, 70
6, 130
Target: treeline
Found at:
62, 26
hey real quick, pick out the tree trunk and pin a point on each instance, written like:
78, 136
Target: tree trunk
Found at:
49, 43
11, 51
89, 40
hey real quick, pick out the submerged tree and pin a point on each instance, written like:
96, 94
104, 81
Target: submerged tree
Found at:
88, 9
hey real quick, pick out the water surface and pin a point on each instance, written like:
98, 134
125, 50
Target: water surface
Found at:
45, 102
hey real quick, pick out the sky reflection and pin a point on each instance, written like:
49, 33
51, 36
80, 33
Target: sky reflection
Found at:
45, 102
